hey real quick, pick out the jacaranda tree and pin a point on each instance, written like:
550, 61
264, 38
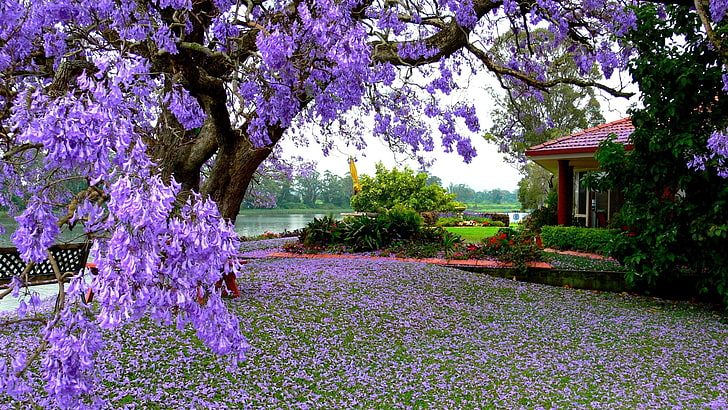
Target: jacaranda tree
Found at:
164, 109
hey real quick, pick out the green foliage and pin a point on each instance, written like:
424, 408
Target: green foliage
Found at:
473, 234
674, 216
579, 239
439, 235
535, 187
539, 118
363, 233
522, 119
366, 233
431, 243
310, 191
399, 232
546, 215
403, 223
393, 187
321, 231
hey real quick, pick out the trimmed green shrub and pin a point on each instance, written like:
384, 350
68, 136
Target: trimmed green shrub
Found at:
403, 222
578, 239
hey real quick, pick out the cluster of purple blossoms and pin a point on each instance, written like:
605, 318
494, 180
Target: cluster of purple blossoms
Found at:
156, 257
717, 158
312, 64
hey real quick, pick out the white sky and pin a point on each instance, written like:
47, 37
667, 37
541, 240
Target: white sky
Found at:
487, 171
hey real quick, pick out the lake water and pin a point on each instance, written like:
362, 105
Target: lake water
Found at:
246, 225
251, 225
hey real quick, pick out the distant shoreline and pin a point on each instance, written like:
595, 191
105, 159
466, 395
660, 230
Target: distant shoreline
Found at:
493, 208
282, 211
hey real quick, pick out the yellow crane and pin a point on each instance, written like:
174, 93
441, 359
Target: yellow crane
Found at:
354, 176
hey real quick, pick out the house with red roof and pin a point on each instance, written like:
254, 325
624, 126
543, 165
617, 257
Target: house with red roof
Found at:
571, 158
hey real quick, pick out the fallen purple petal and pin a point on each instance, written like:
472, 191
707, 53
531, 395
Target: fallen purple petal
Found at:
362, 333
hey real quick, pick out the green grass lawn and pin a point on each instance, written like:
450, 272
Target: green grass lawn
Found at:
473, 233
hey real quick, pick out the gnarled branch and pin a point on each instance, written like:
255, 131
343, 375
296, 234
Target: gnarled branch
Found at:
541, 85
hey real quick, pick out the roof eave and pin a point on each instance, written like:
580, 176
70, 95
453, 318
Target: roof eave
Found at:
569, 151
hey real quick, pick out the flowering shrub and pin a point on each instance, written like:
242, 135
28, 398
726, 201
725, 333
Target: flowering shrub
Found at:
270, 235
499, 243
493, 219
513, 246
468, 221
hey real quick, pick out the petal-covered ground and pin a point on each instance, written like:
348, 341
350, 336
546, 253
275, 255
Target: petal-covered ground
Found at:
380, 334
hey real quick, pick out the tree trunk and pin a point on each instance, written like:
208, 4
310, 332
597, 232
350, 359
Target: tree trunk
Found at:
231, 174
178, 156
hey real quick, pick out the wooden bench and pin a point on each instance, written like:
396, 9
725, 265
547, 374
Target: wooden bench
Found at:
69, 257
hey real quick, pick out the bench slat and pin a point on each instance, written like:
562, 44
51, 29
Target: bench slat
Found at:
70, 258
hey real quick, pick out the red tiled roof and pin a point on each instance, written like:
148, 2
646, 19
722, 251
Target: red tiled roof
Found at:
587, 140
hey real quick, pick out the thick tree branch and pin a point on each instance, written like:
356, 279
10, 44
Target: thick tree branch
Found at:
541, 85
66, 73
20, 148
451, 38
712, 35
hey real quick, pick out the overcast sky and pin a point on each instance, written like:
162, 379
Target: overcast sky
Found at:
486, 172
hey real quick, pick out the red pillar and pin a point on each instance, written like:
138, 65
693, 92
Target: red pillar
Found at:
566, 193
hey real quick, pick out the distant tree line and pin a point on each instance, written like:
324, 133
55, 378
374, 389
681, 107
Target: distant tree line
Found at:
468, 195
314, 190
329, 190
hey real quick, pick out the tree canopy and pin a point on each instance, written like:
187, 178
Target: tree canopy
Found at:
522, 118
390, 188
165, 110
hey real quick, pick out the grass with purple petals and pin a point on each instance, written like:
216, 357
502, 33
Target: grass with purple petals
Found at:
347, 333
